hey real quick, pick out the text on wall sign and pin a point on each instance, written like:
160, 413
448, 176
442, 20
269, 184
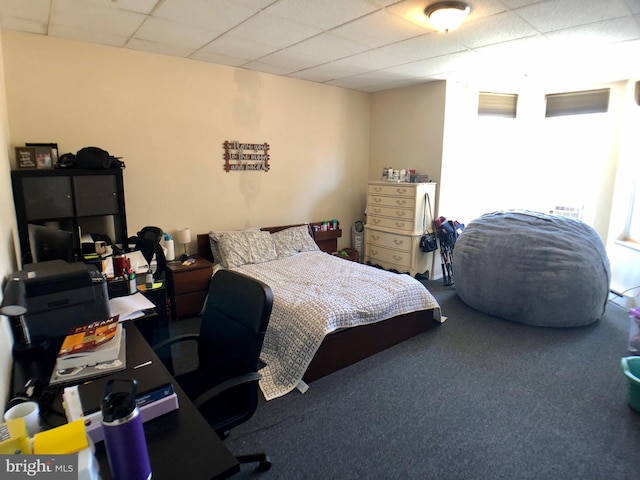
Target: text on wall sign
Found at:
245, 156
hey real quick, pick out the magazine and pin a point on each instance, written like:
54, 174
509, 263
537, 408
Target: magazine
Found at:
97, 342
75, 375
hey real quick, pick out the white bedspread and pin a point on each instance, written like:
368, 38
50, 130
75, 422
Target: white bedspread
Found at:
315, 294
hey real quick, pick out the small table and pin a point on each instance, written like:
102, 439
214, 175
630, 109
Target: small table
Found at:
187, 286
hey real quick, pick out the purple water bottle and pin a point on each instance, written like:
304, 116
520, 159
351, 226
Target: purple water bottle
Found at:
123, 433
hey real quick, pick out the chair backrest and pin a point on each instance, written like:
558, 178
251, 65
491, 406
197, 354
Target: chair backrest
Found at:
234, 321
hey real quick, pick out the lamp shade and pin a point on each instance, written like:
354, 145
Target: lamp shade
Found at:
14, 301
445, 16
184, 235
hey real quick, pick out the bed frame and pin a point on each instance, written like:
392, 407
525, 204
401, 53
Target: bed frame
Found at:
346, 347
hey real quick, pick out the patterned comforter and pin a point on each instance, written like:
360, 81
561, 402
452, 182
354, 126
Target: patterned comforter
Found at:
316, 294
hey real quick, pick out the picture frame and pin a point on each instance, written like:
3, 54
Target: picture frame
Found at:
26, 157
44, 149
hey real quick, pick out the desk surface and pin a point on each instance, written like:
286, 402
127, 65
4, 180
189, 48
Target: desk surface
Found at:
181, 444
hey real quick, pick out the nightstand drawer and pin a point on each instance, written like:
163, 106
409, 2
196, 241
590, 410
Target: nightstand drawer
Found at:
187, 281
189, 303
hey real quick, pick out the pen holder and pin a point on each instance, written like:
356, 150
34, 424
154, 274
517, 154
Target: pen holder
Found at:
132, 285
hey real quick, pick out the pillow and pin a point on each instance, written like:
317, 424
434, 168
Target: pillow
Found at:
241, 248
293, 240
215, 236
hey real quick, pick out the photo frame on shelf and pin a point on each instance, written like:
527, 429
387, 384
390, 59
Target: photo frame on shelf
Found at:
44, 149
26, 157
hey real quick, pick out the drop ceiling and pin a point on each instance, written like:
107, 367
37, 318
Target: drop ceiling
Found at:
366, 45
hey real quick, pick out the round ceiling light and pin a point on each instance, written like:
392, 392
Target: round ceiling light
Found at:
445, 16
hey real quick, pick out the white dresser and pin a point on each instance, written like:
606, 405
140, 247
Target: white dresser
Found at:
395, 224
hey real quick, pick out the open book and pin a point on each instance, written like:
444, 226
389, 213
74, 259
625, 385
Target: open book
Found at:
97, 342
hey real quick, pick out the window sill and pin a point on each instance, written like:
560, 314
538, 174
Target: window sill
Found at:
629, 244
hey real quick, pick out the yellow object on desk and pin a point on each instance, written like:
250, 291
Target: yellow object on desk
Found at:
13, 437
143, 288
66, 439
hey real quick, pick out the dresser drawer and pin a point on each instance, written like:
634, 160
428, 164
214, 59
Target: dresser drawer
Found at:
395, 189
391, 223
389, 240
381, 201
395, 257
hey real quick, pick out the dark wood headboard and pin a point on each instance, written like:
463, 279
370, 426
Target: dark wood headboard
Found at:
327, 241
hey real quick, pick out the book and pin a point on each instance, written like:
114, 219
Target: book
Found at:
75, 375
97, 342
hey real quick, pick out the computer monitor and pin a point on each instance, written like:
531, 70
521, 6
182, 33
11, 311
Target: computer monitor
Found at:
50, 244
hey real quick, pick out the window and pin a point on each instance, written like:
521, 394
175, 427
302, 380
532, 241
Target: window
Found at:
633, 223
577, 103
497, 104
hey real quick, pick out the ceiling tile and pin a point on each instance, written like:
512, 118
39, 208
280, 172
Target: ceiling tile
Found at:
96, 18
83, 35
34, 10
156, 47
489, 30
558, 14
218, 15
327, 47
140, 6
292, 61
378, 29
164, 32
616, 30
324, 14
238, 47
213, 57
23, 25
425, 46
273, 30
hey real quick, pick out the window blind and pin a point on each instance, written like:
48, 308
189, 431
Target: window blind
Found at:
577, 103
497, 104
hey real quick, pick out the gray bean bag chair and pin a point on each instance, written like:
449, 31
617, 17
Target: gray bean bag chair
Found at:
532, 268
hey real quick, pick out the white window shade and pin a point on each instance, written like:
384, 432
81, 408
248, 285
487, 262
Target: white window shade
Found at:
577, 103
498, 104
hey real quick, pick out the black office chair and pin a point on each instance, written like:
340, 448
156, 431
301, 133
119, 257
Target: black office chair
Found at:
224, 385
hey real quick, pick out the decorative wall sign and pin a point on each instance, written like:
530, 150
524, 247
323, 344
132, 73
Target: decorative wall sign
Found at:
245, 156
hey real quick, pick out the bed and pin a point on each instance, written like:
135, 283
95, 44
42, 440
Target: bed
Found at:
328, 312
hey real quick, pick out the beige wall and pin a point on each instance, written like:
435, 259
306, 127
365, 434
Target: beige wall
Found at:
168, 118
407, 127
7, 240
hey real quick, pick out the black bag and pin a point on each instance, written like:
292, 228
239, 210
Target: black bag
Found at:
95, 158
428, 242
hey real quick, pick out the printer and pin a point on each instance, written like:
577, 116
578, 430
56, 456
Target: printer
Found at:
62, 295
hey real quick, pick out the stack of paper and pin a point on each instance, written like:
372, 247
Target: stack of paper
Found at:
97, 342
130, 306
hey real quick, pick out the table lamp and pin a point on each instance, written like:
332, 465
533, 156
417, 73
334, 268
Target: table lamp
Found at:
184, 236
14, 304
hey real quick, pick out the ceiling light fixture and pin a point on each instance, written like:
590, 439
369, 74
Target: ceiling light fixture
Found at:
445, 16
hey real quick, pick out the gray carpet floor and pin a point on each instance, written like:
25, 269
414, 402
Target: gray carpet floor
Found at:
474, 398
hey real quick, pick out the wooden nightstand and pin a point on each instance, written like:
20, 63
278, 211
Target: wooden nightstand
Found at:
187, 287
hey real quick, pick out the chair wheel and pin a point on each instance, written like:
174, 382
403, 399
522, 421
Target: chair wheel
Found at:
264, 465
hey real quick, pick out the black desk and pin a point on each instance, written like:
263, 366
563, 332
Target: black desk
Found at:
181, 444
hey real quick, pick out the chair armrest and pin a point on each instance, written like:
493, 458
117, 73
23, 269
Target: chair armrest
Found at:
170, 341
226, 385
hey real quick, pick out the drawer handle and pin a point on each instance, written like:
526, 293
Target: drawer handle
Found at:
400, 224
377, 189
377, 199
398, 242
377, 210
376, 220
400, 213
401, 202
397, 258
375, 237
374, 252
401, 190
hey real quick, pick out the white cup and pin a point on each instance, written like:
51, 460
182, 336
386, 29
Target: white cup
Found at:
30, 411
100, 247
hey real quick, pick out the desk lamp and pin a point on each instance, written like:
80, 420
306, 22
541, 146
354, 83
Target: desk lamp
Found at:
14, 305
184, 236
